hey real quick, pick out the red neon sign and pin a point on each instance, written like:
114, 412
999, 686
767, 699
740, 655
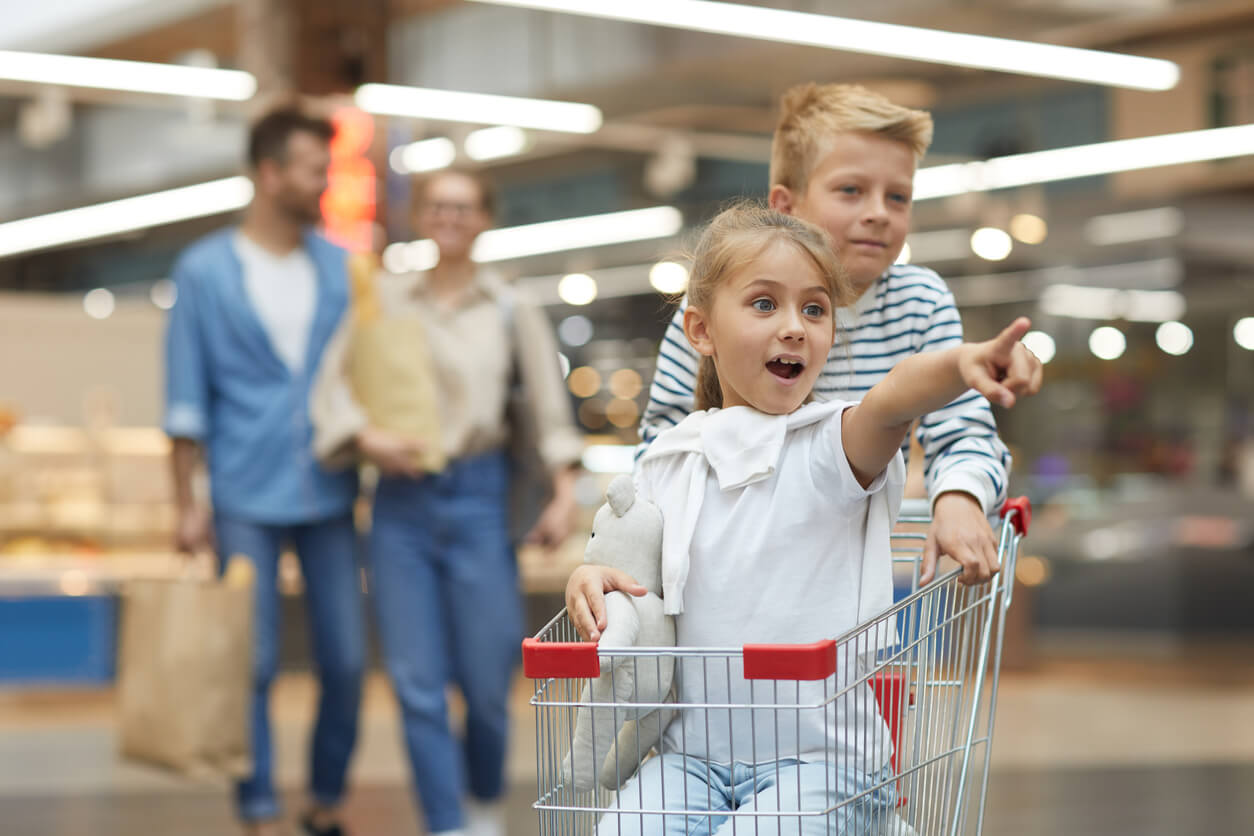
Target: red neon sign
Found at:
348, 204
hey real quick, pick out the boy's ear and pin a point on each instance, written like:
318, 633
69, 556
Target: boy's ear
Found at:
697, 330
780, 199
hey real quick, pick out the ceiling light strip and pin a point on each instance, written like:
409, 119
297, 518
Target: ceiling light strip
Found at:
1083, 161
478, 108
547, 237
127, 76
578, 233
127, 215
893, 40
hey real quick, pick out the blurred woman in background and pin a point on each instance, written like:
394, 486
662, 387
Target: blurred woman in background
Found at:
445, 580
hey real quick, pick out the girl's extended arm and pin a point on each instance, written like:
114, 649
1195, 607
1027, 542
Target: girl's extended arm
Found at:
872, 431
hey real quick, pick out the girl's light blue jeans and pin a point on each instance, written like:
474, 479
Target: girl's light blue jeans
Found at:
781, 790
445, 588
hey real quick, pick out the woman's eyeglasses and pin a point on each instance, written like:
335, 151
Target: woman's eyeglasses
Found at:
461, 210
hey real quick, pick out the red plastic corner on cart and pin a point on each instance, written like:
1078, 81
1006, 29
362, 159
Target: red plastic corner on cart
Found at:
892, 695
1022, 519
790, 661
560, 660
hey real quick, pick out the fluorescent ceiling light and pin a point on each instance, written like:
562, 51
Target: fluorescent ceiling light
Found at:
939, 245
1127, 227
424, 155
908, 42
1083, 161
478, 108
127, 76
547, 237
414, 256
117, 216
495, 143
577, 233
1080, 302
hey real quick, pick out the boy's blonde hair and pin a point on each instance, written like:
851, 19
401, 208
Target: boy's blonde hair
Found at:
810, 114
731, 241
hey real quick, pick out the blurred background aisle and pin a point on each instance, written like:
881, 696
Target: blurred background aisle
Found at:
1127, 704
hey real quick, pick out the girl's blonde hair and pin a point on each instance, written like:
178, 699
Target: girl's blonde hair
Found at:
733, 240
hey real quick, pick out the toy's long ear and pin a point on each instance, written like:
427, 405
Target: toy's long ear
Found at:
621, 494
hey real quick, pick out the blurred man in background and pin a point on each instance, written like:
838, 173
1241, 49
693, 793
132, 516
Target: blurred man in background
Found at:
256, 306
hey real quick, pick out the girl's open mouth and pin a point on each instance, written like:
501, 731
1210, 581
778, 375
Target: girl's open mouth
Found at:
785, 368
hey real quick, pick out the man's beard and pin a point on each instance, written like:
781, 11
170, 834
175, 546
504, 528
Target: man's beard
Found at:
301, 212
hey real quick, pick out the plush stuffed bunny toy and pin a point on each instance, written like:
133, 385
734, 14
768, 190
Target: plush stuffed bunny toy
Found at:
627, 535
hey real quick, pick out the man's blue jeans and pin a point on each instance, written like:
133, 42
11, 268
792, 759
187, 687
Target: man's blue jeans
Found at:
327, 551
445, 588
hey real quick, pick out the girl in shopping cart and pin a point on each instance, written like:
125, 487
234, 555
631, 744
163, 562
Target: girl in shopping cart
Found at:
777, 511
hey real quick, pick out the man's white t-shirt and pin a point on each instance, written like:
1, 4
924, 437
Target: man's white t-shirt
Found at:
779, 553
283, 290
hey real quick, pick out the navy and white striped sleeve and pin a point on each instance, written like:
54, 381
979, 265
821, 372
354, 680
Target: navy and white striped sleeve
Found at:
961, 450
671, 395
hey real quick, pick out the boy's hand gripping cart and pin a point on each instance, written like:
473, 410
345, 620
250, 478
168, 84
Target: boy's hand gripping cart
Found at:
931, 662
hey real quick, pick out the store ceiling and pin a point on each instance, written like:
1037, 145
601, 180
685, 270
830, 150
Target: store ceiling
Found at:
721, 92
729, 87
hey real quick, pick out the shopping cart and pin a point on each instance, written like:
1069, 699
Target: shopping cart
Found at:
922, 679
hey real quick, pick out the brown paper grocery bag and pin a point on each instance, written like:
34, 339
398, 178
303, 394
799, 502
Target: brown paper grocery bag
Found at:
390, 367
185, 674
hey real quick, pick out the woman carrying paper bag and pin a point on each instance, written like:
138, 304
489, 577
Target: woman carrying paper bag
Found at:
390, 378
445, 582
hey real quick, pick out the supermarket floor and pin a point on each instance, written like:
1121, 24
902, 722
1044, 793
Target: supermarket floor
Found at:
1149, 739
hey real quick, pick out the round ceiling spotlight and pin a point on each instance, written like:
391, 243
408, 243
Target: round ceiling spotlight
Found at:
577, 289
1107, 343
991, 243
1174, 338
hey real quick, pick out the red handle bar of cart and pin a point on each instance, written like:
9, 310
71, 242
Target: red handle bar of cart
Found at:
1023, 518
578, 660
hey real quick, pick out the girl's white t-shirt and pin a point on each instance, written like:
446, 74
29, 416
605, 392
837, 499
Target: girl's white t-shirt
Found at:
780, 559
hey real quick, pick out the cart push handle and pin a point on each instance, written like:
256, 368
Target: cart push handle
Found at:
579, 660
1019, 513
560, 660
1021, 509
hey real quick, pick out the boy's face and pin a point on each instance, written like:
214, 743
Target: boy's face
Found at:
860, 192
769, 329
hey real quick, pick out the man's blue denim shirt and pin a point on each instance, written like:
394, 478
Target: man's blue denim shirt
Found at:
227, 388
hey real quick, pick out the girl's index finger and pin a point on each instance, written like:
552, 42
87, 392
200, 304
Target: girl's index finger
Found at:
1004, 342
